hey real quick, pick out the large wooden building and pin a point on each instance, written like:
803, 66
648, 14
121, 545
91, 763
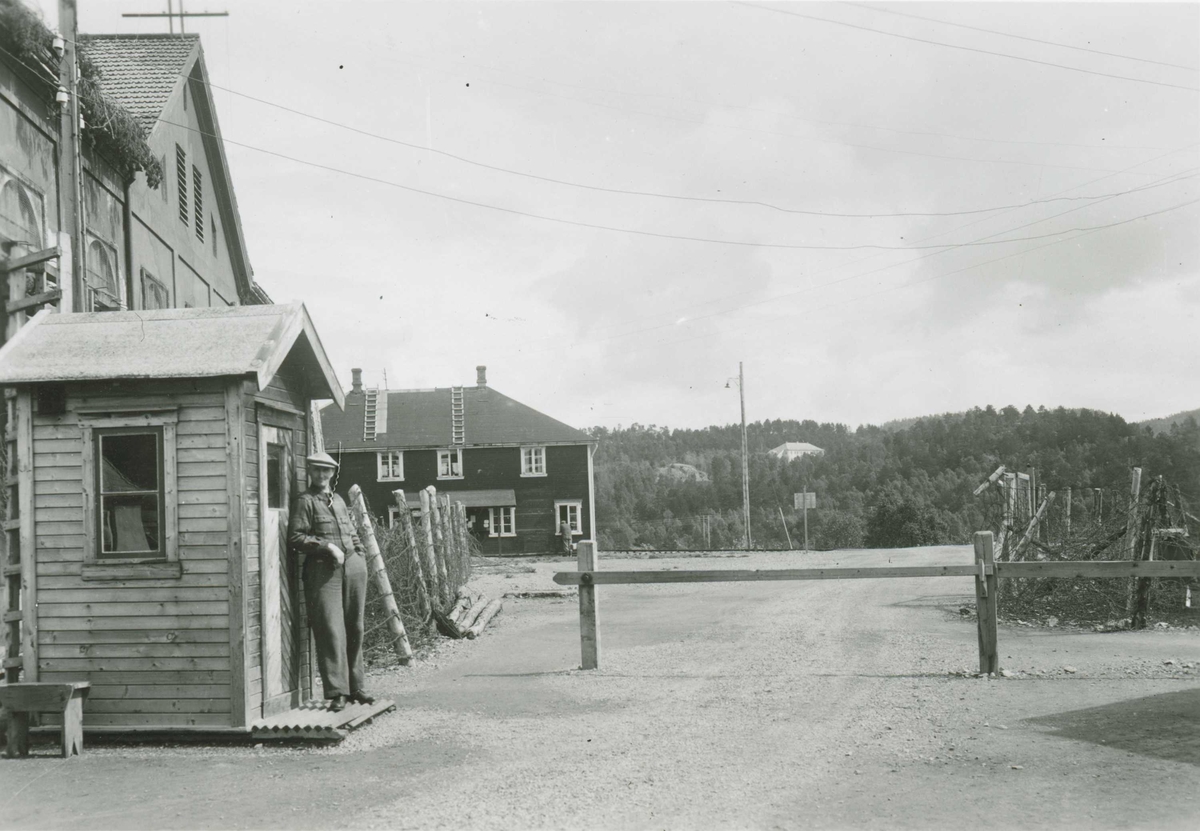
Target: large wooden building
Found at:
147, 533
518, 472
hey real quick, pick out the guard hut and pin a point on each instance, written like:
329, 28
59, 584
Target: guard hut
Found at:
156, 453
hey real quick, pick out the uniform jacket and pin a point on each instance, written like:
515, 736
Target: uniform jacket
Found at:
319, 518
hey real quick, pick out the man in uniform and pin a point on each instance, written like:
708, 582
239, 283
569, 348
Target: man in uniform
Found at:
335, 582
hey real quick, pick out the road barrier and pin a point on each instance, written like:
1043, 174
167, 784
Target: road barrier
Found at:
986, 571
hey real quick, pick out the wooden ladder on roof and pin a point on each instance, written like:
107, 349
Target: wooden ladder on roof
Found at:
32, 282
458, 430
369, 423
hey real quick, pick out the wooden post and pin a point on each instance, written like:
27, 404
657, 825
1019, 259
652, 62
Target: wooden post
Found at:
437, 568
378, 570
420, 571
785, 529
589, 612
1135, 491
985, 603
440, 549
1067, 533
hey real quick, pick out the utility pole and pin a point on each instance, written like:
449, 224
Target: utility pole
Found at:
171, 14
745, 457
70, 167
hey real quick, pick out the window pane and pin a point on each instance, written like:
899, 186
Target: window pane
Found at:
129, 463
129, 523
275, 475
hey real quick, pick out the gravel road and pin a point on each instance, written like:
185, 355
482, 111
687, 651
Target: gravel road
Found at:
828, 704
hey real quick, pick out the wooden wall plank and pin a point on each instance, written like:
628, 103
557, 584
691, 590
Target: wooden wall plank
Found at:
27, 535
115, 636
187, 651
144, 691
189, 579
131, 664
155, 720
234, 413
98, 610
96, 706
101, 594
205, 676
136, 622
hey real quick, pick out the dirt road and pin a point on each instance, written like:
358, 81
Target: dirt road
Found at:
765, 705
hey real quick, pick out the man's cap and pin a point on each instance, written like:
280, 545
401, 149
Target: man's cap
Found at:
321, 460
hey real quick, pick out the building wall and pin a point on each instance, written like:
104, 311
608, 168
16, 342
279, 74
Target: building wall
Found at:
157, 652
195, 272
486, 468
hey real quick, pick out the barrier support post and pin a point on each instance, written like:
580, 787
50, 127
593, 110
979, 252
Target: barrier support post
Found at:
589, 614
985, 602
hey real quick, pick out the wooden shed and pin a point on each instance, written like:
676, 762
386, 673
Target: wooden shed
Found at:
153, 455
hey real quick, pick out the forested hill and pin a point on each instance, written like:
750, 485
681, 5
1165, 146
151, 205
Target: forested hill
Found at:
903, 485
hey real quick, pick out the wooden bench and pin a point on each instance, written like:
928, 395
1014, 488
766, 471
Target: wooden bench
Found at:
25, 698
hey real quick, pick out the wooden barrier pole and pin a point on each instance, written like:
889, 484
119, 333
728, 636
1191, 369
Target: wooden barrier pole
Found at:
985, 603
464, 536
436, 575
410, 537
589, 612
440, 549
378, 570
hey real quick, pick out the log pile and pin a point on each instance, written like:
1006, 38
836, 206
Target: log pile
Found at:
471, 613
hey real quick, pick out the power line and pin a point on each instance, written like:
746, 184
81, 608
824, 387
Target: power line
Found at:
963, 48
613, 228
760, 131
629, 192
764, 110
1022, 37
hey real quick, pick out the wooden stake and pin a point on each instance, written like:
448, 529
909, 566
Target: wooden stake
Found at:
1067, 534
436, 575
589, 611
1135, 491
441, 552
1015, 553
414, 550
985, 603
378, 570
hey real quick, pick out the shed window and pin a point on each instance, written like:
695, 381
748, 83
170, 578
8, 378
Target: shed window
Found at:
502, 522
130, 493
567, 512
450, 464
533, 461
131, 509
389, 466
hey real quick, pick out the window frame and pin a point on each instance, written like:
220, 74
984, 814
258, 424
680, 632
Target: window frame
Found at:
459, 457
95, 298
509, 511
148, 278
37, 206
166, 563
379, 466
181, 183
577, 526
537, 451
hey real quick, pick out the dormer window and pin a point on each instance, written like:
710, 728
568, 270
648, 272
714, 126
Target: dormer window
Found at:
450, 464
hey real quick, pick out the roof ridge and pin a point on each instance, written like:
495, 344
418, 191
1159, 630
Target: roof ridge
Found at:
138, 35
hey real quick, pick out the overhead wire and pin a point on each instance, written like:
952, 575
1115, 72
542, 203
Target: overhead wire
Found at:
788, 116
611, 228
961, 47
1021, 37
631, 192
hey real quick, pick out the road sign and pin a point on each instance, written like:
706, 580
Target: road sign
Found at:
805, 500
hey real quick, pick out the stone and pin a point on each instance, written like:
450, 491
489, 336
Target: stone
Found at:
1052, 621
1070, 669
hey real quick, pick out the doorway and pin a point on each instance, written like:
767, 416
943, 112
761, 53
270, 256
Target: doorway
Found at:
280, 582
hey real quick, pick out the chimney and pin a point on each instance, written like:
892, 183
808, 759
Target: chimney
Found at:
356, 383
481, 376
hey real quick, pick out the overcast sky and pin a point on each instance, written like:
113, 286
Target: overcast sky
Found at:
790, 119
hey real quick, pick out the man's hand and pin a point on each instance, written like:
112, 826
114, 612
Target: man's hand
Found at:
337, 553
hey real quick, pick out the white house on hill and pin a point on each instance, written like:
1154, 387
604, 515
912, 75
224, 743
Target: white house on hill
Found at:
795, 449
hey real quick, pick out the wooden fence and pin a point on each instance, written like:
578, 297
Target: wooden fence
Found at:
986, 571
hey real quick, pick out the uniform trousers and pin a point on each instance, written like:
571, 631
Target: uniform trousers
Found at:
336, 597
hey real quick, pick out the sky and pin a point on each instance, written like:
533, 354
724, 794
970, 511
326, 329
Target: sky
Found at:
613, 204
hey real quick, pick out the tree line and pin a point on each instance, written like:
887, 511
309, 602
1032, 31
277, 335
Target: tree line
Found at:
903, 484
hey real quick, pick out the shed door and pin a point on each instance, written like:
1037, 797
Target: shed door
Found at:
280, 586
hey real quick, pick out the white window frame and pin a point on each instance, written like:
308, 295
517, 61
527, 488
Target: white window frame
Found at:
533, 460
387, 463
502, 514
393, 516
576, 523
164, 565
458, 456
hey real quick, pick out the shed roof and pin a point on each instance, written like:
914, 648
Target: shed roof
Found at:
166, 343
423, 418
141, 71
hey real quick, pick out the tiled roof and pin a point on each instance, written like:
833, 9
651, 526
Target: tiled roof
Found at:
796, 446
422, 418
140, 71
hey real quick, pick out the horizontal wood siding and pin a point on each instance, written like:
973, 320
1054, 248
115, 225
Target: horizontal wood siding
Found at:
156, 651
487, 468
